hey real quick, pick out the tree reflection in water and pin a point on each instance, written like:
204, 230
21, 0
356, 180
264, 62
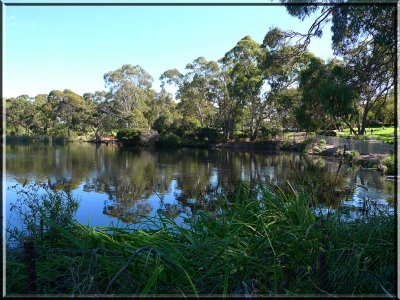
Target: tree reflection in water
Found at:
184, 180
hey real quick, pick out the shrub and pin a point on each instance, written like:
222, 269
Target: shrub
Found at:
130, 137
353, 157
316, 150
149, 138
389, 163
36, 205
305, 145
208, 134
286, 145
190, 124
240, 135
322, 142
326, 132
177, 129
276, 131
162, 124
168, 141
339, 151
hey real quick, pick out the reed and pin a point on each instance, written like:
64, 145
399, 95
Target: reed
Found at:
262, 241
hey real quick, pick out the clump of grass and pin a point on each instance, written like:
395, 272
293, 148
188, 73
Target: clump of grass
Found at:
317, 150
387, 165
306, 145
262, 241
353, 157
322, 143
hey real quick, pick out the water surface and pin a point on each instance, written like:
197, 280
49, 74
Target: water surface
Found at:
122, 186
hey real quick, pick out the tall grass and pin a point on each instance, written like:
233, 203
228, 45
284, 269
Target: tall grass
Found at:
262, 241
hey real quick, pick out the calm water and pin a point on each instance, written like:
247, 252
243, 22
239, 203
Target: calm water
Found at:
119, 186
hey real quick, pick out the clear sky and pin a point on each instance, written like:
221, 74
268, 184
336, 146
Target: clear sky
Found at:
59, 47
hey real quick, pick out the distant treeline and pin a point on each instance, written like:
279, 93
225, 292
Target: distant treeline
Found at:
254, 91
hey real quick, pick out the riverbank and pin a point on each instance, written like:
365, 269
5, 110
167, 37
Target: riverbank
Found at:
266, 245
380, 162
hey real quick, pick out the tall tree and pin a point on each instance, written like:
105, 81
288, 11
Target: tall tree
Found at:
247, 77
130, 89
364, 35
100, 113
194, 89
327, 91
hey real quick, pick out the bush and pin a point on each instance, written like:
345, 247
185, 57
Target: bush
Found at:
179, 131
316, 150
190, 124
353, 157
37, 205
149, 138
168, 141
326, 132
339, 151
389, 163
208, 134
322, 142
305, 145
162, 124
240, 135
129, 137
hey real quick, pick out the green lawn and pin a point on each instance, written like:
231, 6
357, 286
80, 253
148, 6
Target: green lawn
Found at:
379, 133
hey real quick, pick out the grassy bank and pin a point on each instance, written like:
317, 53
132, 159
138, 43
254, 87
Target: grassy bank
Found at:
269, 244
385, 134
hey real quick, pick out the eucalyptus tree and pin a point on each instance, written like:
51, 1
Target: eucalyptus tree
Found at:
164, 112
384, 112
71, 110
327, 95
373, 76
365, 36
194, 90
50, 112
285, 103
247, 77
100, 114
64, 109
130, 91
15, 109
222, 96
39, 118
260, 72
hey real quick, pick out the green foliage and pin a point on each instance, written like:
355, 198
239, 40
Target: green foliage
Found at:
326, 132
339, 151
210, 135
169, 141
322, 143
389, 162
149, 138
129, 137
353, 157
190, 124
362, 35
381, 133
306, 145
316, 150
264, 241
36, 204
162, 124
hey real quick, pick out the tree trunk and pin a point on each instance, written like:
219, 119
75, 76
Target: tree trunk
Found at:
361, 131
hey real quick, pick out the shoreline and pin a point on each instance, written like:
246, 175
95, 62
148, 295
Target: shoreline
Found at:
367, 161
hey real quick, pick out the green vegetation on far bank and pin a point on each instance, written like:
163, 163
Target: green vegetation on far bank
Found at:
384, 133
262, 241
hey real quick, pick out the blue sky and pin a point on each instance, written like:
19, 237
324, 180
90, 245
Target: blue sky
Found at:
59, 47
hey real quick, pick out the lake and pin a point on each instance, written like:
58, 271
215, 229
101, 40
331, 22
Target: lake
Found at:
117, 186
